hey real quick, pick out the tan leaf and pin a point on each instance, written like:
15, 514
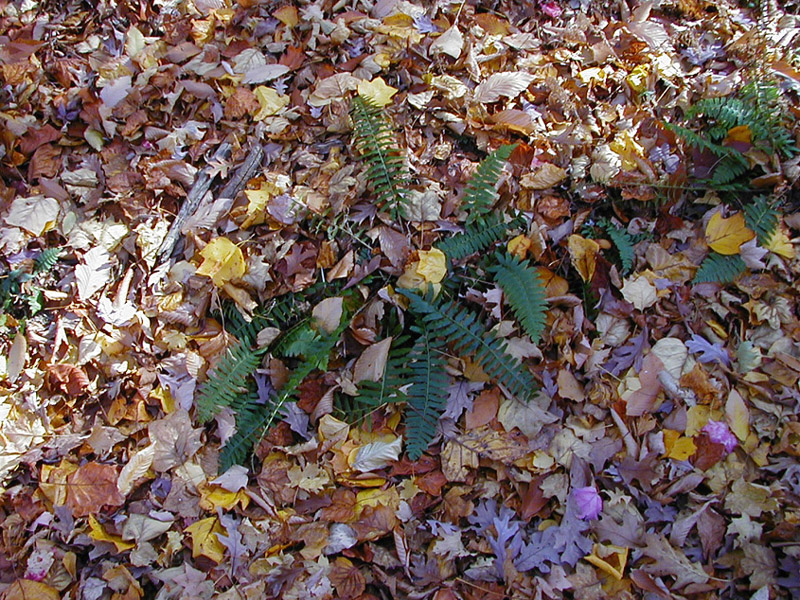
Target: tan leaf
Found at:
451, 42
137, 467
546, 176
372, 362
507, 84
583, 254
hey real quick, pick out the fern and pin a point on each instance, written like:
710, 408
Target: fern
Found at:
524, 291
623, 242
427, 395
461, 328
227, 381
386, 169
476, 238
719, 268
253, 419
762, 219
46, 260
481, 194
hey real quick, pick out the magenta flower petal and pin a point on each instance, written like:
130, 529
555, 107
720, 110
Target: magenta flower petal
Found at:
719, 433
551, 9
588, 501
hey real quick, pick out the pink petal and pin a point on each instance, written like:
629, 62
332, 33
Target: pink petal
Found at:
551, 9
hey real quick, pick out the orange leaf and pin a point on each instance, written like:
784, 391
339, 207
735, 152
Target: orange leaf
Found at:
726, 235
91, 487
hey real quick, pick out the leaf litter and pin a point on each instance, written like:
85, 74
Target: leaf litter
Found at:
659, 458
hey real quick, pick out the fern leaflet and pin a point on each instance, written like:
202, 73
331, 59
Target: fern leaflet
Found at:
476, 238
227, 381
46, 260
481, 194
461, 328
427, 395
762, 219
719, 268
386, 169
623, 242
524, 291
396, 375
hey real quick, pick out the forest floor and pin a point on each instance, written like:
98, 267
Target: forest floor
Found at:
355, 369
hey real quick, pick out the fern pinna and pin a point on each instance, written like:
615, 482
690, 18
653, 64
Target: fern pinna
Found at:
374, 140
476, 238
461, 328
427, 396
481, 194
524, 291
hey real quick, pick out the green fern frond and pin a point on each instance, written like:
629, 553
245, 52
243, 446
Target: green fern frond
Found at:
374, 140
762, 218
694, 139
623, 242
728, 169
227, 381
524, 291
461, 328
476, 238
46, 260
481, 194
427, 396
253, 420
720, 268
297, 341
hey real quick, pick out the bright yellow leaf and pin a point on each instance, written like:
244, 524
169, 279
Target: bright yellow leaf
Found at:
376, 91
519, 246
98, 533
25, 589
432, 265
780, 244
204, 539
213, 497
271, 102
638, 78
737, 415
287, 15
677, 446
628, 149
583, 253
727, 235
222, 261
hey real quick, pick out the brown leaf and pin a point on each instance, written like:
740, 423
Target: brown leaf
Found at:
175, 440
91, 487
70, 379
346, 578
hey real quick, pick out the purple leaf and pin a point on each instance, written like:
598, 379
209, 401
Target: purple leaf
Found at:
708, 352
627, 356
297, 419
459, 398
719, 433
588, 502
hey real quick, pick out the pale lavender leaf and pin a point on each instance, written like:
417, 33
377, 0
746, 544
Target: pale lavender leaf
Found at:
708, 352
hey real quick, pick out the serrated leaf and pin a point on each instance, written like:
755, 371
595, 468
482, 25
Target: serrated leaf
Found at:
508, 84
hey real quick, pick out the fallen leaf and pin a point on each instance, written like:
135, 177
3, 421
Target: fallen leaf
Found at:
204, 539
639, 292
222, 261
451, 42
328, 313
371, 365
91, 487
583, 254
737, 415
432, 265
726, 235
35, 215
26, 589
376, 91
507, 84
270, 102
375, 455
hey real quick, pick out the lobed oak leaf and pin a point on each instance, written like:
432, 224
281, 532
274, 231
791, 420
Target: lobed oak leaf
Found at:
376, 91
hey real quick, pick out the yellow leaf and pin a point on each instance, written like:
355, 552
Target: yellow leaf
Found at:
98, 533
432, 265
638, 78
677, 446
628, 149
256, 207
593, 75
213, 497
741, 133
26, 589
726, 235
609, 558
376, 91
737, 415
519, 246
271, 102
204, 539
222, 261
780, 244
583, 253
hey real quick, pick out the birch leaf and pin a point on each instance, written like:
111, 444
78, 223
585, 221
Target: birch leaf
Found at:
499, 85
451, 42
